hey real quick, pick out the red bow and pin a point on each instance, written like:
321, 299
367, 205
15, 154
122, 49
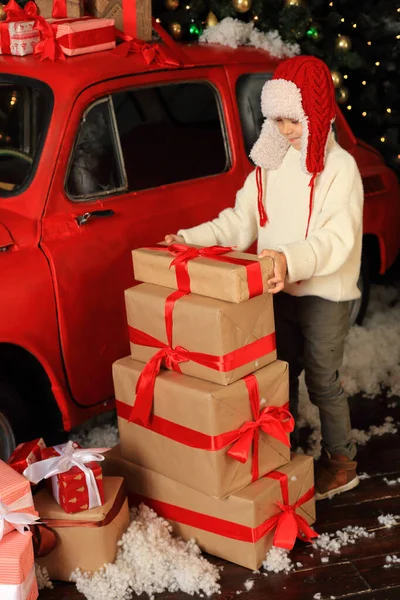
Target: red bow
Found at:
15, 13
48, 47
289, 525
151, 52
272, 422
185, 253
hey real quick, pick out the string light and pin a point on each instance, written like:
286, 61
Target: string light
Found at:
330, 3
345, 76
354, 25
398, 37
342, 20
369, 43
364, 82
255, 18
383, 139
349, 107
364, 114
187, 6
377, 63
389, 110
158, 20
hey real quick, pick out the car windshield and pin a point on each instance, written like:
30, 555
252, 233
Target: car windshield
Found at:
25, 108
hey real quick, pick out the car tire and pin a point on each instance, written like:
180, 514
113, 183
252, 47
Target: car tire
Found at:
358, 307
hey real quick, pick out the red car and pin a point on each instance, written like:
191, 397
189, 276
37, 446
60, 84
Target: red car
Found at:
101, 154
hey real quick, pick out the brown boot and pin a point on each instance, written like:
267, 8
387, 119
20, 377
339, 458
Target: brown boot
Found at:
334, 474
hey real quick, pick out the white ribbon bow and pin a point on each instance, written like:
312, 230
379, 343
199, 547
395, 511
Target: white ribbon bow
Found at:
69, 457
19, 520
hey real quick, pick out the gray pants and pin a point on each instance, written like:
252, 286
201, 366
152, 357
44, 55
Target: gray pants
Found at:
310, 334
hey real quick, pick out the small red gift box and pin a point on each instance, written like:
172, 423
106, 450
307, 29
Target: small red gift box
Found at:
71, 488
26, 454
71, 37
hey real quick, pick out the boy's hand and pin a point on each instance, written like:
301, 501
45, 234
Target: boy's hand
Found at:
171, 238
277, 283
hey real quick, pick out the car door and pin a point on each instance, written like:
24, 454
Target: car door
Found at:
142, 157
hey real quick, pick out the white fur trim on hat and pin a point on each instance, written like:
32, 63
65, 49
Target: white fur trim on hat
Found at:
282, 98
269, 150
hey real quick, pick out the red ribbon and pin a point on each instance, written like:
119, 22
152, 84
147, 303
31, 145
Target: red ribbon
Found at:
83, 39
15, 14
275, 421
183, 254
59, 10
173, 356
151, 52
234, 531
289, 525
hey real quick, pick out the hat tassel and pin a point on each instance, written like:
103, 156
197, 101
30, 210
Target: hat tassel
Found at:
261, 210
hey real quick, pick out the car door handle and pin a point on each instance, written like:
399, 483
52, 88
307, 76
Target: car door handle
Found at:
82, 219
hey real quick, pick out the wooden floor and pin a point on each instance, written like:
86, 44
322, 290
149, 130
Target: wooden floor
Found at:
356, 573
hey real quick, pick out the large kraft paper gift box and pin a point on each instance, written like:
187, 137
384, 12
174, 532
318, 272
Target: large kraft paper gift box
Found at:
15, 497
17, 568
211, 339
131, 16
60, 9
87, 539
212, 271
213, 438
242, 528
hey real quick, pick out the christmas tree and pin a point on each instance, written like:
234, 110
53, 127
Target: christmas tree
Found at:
358, 40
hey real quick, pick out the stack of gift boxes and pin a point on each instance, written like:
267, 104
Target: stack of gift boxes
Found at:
202, 405
53, 29
81, 515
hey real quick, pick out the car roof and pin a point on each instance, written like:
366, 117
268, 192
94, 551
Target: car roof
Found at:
79, 72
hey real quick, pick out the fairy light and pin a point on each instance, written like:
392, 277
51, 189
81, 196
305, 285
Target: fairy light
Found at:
377, 63
364, 82
389, 110
364, 114
187, 6
383, 139
354, 25
342, 20
345, 76
330, 3
255, 18
398, 37
158, 20
349, 107
369, 43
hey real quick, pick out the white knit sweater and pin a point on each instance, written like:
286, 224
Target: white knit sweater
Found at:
327, 263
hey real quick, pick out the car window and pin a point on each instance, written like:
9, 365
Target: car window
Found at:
96, 167
25, 110
171, 133
248, 96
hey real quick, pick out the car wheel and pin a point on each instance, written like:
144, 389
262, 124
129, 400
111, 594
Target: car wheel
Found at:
15, 420
359, 306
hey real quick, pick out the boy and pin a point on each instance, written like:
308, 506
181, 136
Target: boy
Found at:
304, 203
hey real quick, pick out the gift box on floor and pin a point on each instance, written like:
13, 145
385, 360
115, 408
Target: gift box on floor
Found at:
211, 437
215, 271
60, 9
26, 454
75, 488
86, 540
242, 528
15, 497
211, 339
17, 569
18, 37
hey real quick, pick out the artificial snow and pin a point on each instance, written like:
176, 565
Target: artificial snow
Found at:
151, 561
391, 560
317, 596
102, 436
233, 33
391, 481
42, 576
389, 520
278, 561
333, 542
248, 584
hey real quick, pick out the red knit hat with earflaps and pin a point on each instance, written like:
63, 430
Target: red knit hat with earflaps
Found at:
302, 90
